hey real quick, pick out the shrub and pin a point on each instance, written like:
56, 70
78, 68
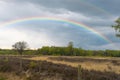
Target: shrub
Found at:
32, 64
2, 78
5, 68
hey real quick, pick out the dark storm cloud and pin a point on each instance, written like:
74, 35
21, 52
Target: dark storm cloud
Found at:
111, 6
79, 6
100, 12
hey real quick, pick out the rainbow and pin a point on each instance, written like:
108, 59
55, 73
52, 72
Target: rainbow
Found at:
102, 10
7, 23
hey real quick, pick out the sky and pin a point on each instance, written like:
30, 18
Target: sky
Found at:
98, 15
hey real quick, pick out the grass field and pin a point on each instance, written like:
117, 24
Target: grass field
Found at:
103, 64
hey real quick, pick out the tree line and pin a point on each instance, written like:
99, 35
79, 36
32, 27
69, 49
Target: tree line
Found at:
69, 50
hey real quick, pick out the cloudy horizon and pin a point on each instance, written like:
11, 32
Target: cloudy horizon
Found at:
99, 15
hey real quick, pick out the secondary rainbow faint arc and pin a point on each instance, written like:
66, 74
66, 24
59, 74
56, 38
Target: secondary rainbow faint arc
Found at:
96, 7
7, 23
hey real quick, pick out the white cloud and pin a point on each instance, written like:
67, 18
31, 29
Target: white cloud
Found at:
9, 36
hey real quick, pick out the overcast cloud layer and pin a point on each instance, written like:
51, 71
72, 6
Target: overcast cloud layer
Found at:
98, 14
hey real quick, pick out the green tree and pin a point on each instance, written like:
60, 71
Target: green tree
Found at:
45, 50
70, 48
116, 26
20, 47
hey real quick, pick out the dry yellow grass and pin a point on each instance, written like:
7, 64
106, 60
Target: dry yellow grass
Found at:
90, 65
10, 76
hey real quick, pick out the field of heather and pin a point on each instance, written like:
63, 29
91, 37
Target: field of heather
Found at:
102, 64
58, 68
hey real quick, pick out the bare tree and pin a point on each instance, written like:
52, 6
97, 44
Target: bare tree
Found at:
20, 47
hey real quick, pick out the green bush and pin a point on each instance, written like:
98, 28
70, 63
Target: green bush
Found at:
32, 64
2, 78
